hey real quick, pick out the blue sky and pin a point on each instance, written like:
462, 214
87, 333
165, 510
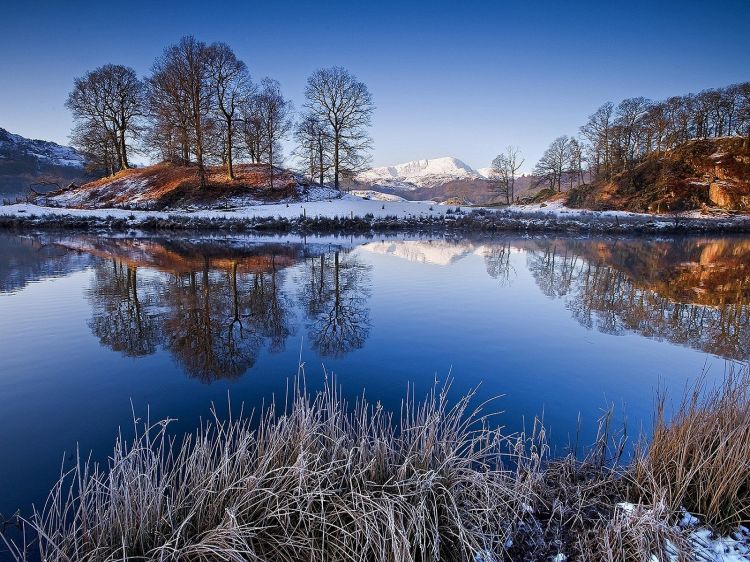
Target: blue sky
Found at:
462, 78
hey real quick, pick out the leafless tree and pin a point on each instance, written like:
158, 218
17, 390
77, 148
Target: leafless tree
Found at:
335, 96
575, 163
313, 150
180, 86
110, 100
231, 85
554, 163
597, 131
91, 139
505, 167
274, 114
615, 139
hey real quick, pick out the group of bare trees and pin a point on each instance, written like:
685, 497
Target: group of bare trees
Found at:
199, 106
107, 104
562, 162
505, 169
617, 137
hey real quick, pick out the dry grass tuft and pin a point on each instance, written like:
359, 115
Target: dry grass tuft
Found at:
323, 480
699, 459
317, 481
635, 533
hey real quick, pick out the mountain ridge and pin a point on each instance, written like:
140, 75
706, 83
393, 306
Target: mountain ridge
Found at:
25, 162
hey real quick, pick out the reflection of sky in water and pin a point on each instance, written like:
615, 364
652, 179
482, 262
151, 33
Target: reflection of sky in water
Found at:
423, 310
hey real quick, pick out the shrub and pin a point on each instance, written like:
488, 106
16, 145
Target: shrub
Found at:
700, 458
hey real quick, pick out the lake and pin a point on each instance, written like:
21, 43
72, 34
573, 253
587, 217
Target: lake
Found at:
95, 328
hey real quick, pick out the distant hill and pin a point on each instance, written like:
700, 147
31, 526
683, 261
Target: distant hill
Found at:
711, 173
436, 179
26, 162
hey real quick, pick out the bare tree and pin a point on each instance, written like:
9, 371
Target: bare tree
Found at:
597, 131
252, 131
313, 149
575, 163
274, 113
554, 162
91, 139
335, 96
231, 84
169, 115
505, 167
110, 99
180, 86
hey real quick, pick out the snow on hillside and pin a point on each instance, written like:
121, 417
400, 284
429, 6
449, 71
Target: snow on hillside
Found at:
419, 173
376, 195
488, 173
435, 252
44, 152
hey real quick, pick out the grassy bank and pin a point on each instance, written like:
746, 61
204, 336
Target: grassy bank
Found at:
454, 220
321, 479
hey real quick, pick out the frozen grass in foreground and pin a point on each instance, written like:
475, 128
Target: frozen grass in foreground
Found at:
320, 479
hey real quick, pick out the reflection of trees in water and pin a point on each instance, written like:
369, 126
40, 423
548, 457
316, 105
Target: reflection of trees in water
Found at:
214, 320
498, 264
206, 323
640, 289
334, 292
121, 310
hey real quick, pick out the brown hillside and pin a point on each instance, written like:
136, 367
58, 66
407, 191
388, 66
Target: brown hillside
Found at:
702, 173
166, 185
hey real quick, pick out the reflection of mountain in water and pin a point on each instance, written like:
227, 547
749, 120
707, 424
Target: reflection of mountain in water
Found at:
215, 305
25, 259
693, 292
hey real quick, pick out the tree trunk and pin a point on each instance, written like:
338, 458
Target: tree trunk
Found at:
230, 165
336, 141
270, 164
123, 152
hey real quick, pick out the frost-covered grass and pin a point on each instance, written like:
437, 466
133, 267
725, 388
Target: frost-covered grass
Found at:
322, 479
351, 213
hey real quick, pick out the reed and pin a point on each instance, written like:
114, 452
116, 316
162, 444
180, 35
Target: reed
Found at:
322, 479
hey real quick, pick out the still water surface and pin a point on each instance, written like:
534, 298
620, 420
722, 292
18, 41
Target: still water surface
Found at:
93, 328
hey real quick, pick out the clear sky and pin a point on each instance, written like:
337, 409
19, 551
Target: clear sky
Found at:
459, 79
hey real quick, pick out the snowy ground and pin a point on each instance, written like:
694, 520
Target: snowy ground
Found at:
345, 206
550, 215
705, 545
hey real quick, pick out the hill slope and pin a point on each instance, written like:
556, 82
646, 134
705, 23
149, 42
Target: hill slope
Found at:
700, 173
25, 162
166, 186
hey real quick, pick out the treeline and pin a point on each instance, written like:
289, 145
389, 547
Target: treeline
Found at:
199, 106
616, 138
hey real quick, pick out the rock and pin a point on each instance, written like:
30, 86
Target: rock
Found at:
728, 196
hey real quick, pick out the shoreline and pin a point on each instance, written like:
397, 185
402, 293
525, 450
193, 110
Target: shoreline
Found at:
351, 214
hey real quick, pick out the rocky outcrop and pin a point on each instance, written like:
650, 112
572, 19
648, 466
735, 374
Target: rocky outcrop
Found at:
701, 173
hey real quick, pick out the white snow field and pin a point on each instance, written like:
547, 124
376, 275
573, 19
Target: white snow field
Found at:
420, 173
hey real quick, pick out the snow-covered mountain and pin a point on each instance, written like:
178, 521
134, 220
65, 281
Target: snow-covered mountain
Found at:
434, 179
438, 179
420, 173
45, 152
24, 162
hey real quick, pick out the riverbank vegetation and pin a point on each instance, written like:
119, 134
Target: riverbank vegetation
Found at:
323, 479
682, 153
451, 220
